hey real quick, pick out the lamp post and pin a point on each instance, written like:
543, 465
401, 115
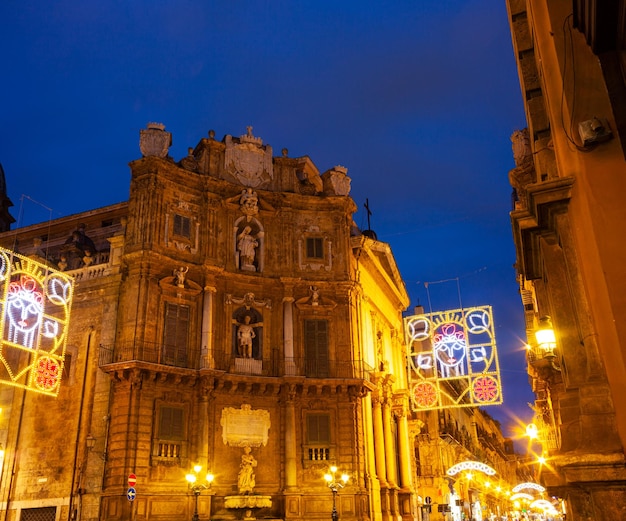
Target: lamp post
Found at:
196, 488
334, 485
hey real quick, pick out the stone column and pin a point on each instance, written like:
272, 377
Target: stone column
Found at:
403, 449
206, 354
379, 437
392, 472
203, 427
290, 366
290, 439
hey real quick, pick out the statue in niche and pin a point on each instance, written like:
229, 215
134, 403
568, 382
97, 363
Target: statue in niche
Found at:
246, 479
179, 276
245, 334
246, 245
315, 295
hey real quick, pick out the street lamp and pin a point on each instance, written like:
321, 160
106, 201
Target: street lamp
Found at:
196, 488
335, 484
544, 334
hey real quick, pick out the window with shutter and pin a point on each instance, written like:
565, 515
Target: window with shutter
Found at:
316, 348
175, 335
182, 226
317, 436
315, 248
170, 432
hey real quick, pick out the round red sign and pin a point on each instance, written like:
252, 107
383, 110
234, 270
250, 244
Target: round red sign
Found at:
132, 479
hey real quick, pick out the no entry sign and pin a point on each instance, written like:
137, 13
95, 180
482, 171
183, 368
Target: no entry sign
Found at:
132, 479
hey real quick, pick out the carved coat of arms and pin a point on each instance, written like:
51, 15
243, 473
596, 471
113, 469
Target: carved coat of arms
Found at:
154, 141
249, 161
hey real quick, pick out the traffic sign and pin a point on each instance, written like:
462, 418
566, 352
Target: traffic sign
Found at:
131, 494
428, 500
132, 480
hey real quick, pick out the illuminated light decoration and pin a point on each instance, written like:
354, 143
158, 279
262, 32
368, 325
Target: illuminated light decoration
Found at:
470, 465
453, 360
521, 495
528, 485
425, 394
543, 504
35, 303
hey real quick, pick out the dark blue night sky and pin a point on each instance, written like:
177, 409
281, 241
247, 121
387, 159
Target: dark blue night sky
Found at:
417, 99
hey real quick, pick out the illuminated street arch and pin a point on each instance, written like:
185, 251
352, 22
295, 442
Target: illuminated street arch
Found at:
35, 303
470, 465
528, 485
452, 359
521, 495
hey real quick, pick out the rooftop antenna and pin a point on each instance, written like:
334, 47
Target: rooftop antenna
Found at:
21, 214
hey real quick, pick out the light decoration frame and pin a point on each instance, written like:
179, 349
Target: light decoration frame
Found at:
470, 465
453, 359
528, 485
35, 304
522, 495
545, 505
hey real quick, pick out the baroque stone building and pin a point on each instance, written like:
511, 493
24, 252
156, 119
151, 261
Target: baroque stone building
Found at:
568, 217
230, 315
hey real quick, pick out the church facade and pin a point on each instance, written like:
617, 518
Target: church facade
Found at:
228, 316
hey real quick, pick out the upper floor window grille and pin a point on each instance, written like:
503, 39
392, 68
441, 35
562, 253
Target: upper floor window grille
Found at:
38, 514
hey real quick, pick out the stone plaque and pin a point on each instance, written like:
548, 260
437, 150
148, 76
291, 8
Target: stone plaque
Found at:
245, 427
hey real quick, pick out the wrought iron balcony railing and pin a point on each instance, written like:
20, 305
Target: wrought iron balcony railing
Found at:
274, 366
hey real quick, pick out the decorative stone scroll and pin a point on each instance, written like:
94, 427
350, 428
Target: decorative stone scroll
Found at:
248, 300
245, 427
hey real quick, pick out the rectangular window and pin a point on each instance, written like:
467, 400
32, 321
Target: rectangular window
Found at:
176, 334
182, 226
318, 437
316, 348
170, 431
38, 514
171, 426
318, 429
315, 248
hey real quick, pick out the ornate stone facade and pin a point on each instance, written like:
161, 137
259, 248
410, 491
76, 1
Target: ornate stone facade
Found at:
230, 277
567, 222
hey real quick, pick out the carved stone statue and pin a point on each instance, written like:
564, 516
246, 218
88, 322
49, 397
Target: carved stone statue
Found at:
179, 276
246, 245
315, 295
246, 480
249, 202
520, 143
245, 334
